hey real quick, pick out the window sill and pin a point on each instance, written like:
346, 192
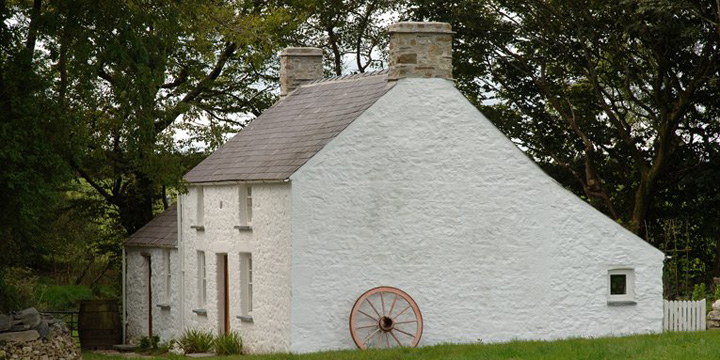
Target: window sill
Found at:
163, 306
198, 227
243, 227
245, 318
200, 311
619, 302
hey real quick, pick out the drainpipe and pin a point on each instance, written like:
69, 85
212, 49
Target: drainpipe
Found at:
181, 263
124, 296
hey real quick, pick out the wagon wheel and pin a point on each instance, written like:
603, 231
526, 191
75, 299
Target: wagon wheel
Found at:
385, 317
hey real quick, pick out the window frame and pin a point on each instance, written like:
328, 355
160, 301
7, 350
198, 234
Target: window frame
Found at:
168, 275
246, 284
200, 206
247, 192
202, 279
628, 298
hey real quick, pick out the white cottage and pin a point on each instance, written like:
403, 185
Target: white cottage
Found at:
384, 179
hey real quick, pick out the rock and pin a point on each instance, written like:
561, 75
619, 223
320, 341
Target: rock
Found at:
29, 316
21, 336
2, 354
5, 322
716, 305
713, 315
43, 329
27, 350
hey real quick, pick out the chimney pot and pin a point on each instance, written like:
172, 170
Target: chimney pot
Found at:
299, 65
420, 50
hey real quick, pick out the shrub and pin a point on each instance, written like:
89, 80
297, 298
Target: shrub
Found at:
149, 343
699, 292
228, 344
63, 297
196, 341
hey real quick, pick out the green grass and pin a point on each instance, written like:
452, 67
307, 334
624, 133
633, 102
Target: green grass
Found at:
672, 346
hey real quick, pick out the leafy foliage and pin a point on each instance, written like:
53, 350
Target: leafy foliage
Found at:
196, 341
619, 101
228, 344
351, 30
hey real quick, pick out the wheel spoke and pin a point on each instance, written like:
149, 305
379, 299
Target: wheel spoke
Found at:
405, 322
370, 336
396, 339
404, 310
373, 307
392, 306
364, 313
387, 339
404, 332
366, 326
382, 301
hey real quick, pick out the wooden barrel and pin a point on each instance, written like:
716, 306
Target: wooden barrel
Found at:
99, 324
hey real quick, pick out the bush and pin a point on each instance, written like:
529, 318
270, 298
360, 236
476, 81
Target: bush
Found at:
196, 341
699, 292
149, 343
17, 288
63, 297
228, 344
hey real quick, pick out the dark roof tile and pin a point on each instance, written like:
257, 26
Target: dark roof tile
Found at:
159, 232
288, 134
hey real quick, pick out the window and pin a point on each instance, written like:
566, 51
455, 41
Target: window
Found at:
202, 279
248, 205
244, 208
621, 286
168, 274
200, 205
246, 284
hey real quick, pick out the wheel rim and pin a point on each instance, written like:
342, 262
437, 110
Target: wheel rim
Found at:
385, 317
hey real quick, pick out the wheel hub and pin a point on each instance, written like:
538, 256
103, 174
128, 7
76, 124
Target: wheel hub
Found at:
386, 324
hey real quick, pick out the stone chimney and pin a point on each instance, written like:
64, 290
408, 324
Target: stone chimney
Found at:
420, 50
299, 65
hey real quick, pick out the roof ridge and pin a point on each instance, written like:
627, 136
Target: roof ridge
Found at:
352, 76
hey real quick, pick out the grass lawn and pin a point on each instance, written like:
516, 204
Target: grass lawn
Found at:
675, 346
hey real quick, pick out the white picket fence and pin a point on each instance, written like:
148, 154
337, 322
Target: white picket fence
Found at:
684, 315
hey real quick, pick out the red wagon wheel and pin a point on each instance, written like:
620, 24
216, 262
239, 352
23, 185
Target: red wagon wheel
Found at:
385, 317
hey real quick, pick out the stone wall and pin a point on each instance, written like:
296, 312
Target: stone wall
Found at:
30, 335
299, 65
420, 50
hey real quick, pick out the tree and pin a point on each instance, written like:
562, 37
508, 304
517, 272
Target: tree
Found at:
349, 28
131, 73
32, 136
621, 97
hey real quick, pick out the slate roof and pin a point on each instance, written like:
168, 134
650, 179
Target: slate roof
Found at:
284, 137
159, 232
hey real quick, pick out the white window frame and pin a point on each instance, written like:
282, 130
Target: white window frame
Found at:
168, 275
246, 284
247, 193
202, 279
200, 211
622, 299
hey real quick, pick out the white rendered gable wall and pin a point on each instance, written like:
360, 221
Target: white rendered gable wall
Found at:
423, 193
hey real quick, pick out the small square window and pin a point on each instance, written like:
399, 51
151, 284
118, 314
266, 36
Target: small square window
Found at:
618, 284
621, 286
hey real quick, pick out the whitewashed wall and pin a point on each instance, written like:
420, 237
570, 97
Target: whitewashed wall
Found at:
165, 320
423, 193
269, 243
